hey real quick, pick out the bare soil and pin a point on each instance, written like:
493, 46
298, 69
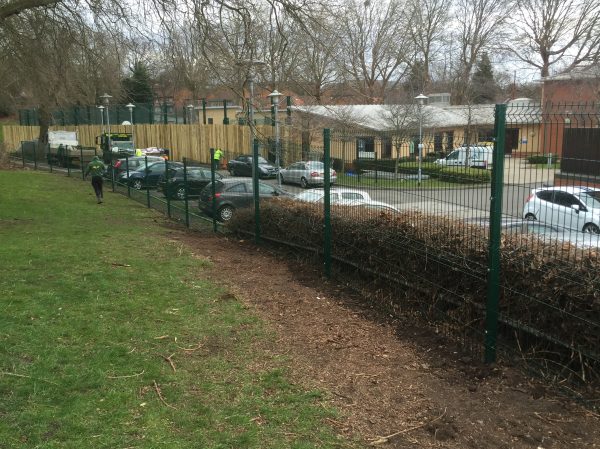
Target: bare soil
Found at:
397, 384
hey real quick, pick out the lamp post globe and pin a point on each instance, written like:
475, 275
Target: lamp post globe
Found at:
421, 99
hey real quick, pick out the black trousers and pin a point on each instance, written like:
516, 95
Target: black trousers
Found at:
97, 185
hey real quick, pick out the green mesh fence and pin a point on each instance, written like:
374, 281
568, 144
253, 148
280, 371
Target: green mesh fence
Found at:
487, 230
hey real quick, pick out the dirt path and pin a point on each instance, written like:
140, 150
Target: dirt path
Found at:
390, 378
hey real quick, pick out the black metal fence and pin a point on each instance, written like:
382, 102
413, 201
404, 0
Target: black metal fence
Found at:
498, 248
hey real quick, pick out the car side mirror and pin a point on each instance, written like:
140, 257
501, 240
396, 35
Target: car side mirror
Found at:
576, 208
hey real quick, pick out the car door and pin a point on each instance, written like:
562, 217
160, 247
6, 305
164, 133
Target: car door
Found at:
246, 166
239, 195
542, 205
195, 180
299, 172
563, 213
155, 173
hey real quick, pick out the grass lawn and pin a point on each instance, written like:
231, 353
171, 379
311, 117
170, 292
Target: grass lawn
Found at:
110, 337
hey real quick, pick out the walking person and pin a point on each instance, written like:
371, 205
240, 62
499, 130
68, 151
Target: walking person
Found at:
96, 168
217, 158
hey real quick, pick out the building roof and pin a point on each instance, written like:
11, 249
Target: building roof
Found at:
578, 73
379, 117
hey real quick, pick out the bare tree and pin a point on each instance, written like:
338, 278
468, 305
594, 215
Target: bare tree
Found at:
481, 24
556, 33
375, 46
425, 21
318, 56
402, 120
14, 7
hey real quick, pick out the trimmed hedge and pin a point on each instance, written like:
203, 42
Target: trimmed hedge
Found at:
549, 292
463, 175
427, 168
542, 159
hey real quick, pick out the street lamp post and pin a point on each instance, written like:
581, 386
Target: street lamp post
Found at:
250, 64
130, 106
190, 108
106, 100
101, 108
420, 101
275, 102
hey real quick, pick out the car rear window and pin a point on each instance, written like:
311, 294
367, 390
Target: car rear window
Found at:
545, 195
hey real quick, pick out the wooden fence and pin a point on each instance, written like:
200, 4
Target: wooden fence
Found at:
190, 141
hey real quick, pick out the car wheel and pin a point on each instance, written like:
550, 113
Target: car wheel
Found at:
180, 193
591, 228
225, 213
137, 184
530, 217
303, 183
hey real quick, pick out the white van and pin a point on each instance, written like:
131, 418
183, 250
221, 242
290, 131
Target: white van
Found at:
479, 157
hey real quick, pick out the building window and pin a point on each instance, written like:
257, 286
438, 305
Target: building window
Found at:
386, 148
449, 140
365, 148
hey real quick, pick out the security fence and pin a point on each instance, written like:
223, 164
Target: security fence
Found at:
495, 244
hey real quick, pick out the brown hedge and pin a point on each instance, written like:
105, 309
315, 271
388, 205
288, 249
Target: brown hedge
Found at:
551, 291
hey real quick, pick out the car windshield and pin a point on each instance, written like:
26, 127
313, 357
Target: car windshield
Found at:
591, 199
310, 196
453, 155
315, 165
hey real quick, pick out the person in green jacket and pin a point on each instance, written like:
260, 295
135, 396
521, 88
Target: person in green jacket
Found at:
96, 168
217, 158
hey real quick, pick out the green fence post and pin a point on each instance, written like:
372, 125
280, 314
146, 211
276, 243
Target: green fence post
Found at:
165, 116
255, 191
146, 181
112, 170
185, 198
49, 159
213, 192
23, 153
493, 280
327, 202
167, 190
204, 111
81, 162
35, 156
375, 155
128, 183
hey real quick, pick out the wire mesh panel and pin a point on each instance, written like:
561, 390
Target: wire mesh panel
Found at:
552, 238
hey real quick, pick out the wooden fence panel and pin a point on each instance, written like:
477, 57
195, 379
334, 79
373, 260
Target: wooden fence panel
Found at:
190, 141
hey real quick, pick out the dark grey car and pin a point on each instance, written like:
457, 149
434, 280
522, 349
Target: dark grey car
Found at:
234, 193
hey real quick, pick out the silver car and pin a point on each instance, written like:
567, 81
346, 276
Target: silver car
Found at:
309, 173
575, 208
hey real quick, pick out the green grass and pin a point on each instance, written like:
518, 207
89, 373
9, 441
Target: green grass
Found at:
93, 298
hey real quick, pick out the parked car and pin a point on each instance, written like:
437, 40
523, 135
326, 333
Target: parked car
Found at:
471, 156
310, 173
567, 207
147, 177
235, 193
242, 166
340, 196
134, 163
174, 187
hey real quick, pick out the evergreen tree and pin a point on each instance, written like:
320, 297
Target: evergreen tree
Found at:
484, 87
137, 88
416, 82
